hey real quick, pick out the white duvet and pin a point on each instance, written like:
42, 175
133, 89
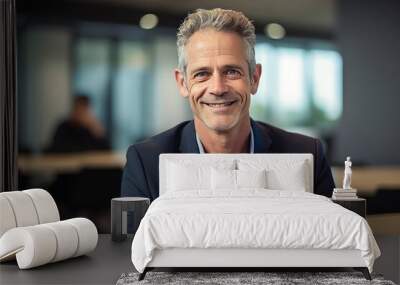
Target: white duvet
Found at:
251, 218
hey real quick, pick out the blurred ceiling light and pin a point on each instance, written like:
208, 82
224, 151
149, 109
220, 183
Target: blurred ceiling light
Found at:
275, 31
148, 21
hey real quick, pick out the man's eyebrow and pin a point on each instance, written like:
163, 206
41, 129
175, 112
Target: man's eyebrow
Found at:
234, 66
205, 68
200, 68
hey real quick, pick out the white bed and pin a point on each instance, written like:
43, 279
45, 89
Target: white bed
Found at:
201, 220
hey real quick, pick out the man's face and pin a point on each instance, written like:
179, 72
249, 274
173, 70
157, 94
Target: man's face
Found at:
218, 83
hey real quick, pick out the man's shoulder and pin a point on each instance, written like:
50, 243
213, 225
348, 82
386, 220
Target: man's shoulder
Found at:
164, 142
286, 141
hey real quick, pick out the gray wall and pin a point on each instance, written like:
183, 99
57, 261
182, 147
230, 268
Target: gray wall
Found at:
369, 40
44, 85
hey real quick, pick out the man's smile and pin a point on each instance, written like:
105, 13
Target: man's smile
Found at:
219, 104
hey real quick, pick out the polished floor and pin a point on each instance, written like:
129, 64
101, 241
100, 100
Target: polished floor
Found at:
389, 262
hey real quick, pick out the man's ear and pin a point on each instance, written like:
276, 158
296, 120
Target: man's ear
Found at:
255, 79
180, 82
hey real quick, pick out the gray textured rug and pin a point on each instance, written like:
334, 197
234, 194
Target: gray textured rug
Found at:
228, 278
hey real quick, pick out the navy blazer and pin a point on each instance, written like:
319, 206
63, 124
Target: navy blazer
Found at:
140, 177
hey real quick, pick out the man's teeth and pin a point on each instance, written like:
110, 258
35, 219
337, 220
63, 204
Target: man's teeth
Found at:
219, 104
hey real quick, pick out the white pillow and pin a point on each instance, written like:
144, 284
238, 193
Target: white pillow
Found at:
236, 179
186, 175
280, 174
293, 179
223, 179
251, 178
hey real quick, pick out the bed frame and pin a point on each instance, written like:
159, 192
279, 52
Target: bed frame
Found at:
246, 258
243, 259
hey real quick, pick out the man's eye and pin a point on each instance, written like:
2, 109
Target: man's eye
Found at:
200, 74
233, 73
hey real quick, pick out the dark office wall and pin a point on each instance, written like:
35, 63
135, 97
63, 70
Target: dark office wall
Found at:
369, 39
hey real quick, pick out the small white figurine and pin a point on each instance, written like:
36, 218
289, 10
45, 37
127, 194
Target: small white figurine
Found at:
347, 174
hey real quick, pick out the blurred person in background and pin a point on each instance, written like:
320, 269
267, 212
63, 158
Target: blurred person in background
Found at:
81, 131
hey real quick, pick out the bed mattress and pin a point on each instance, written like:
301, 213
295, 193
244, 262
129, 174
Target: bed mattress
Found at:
250, 219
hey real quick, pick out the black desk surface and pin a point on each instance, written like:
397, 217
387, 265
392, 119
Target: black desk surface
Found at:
104, 265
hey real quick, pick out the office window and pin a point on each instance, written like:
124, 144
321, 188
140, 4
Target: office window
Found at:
300, 86
115, 74
92, 71
326, 71
130, 94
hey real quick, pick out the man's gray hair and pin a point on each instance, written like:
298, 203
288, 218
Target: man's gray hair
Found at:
219, 20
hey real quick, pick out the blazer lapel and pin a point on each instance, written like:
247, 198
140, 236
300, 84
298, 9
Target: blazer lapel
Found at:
188, 143
262, 139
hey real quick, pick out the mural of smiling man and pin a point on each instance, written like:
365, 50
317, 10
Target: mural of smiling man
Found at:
218, 75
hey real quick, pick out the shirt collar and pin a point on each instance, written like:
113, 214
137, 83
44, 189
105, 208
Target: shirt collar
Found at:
251, 150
